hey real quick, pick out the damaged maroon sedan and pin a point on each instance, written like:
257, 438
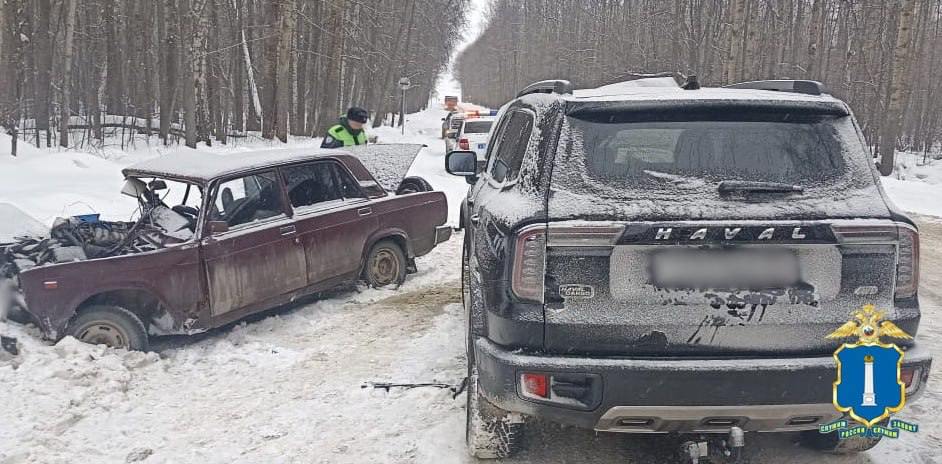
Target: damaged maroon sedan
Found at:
222, 237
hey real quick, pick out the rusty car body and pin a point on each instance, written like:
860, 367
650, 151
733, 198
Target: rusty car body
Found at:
271, 226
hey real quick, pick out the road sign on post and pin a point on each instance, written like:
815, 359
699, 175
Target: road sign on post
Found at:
404, 84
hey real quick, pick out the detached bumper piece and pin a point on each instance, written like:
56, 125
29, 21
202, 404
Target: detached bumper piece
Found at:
672, 394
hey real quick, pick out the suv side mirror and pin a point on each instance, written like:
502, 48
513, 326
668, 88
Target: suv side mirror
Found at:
217, 227
464, 164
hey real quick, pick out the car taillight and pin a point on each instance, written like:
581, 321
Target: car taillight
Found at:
529, 264
534, 385
590, 234
906, 238
463, 144
907, 262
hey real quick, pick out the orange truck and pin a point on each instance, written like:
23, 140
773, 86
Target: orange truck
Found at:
451, 102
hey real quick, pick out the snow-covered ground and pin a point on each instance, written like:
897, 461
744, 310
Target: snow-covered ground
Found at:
287, 387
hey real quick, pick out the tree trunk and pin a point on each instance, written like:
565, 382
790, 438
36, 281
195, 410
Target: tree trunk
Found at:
65, 112
282, 82
897, 88
734, 59
42, 43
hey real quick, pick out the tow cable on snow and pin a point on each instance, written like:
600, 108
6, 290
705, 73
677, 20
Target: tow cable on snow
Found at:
456, 389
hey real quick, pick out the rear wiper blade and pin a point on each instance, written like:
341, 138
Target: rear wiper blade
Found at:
728, 186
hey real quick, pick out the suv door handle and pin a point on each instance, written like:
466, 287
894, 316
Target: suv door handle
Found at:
475, 218
365, 211
288, 230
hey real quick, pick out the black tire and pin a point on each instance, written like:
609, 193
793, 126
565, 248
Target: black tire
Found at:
385, 265
109, 325
413, 185
831, 443
490, 432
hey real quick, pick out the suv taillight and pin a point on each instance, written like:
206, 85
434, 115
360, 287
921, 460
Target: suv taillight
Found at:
463, 144
529, 265
907, 262
907, 245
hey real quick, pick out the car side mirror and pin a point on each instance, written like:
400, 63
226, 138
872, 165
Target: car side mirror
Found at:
217, 227
462, 163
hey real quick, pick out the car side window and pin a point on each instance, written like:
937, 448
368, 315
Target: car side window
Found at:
312, 184
349, 188
494, 141
247, 199
512, 146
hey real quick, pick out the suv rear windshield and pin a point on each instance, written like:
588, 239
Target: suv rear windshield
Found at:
477, 127
671, 151
723, 164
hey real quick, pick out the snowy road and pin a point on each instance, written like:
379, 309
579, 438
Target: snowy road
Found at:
286, 388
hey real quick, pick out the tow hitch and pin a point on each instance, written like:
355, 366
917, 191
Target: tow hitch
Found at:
713, 449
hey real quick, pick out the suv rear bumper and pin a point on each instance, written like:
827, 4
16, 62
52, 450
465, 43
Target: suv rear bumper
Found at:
683, 395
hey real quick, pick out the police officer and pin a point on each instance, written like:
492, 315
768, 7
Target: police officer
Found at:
348, 131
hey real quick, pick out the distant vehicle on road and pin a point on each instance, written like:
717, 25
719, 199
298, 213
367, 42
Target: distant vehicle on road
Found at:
472, 135
451, 102
450, 123
223, 237
653, 258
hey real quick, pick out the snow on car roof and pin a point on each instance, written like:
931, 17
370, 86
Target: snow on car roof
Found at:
622, 91
202, 166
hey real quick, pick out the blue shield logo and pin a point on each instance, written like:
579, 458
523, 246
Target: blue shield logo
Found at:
868, 385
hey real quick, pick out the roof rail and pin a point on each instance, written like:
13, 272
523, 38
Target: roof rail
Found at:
549, 86
783, 85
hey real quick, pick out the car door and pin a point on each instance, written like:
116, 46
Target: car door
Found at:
333, 215
259, 256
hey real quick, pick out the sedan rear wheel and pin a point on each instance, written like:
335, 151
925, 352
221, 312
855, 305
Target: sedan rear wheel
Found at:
385, 265
109, 325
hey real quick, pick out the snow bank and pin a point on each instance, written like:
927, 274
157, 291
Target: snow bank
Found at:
914, 186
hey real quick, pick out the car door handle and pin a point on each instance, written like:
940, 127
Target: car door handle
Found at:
288, 230
475, 219
365, 211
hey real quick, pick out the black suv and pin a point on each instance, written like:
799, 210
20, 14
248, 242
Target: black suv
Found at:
647, 257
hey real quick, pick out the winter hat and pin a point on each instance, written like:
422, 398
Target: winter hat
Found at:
358, 114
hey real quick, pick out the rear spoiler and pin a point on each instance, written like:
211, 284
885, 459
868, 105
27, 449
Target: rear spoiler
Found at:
388, 162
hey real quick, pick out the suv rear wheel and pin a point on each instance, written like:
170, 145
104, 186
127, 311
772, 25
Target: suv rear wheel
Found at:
385, 265
490, 432
830, 443
109, 325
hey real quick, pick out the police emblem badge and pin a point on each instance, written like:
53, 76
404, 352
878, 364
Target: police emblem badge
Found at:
868, 388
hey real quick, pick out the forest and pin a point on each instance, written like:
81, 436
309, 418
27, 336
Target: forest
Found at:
199, 71
881, 56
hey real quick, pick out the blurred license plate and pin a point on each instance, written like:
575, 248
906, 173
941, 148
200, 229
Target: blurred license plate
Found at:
482, 146
725, 269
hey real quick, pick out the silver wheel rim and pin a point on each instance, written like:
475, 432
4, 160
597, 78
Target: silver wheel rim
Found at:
384, 267
103, 333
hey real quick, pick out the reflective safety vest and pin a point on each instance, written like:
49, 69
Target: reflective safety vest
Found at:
340, 133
